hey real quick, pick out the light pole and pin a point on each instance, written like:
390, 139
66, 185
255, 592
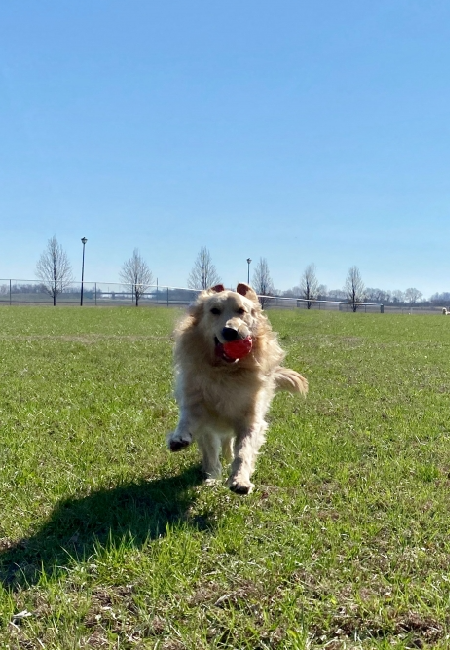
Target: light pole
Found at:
83, 240
248, 270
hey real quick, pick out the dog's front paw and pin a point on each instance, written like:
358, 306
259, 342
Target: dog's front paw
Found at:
177, 441
177, 445
240, 487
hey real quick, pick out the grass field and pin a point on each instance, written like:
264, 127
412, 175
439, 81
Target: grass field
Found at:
108, 541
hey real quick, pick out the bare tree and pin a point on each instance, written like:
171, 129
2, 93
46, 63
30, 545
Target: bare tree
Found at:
262, 281
322, 291
387, 296
373, 294
137, 275
377, 295
309, 284
337, 294
291, 293
412, 295
398, 296
354, 287
436, 297
203, 274
54, 269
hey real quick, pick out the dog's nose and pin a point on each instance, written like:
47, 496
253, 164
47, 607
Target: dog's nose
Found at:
230, 334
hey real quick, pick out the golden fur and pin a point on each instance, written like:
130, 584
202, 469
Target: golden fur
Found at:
223, 403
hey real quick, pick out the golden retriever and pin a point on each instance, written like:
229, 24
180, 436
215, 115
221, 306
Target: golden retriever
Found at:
227, 362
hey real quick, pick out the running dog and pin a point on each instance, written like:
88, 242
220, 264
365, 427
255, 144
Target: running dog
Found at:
227, 364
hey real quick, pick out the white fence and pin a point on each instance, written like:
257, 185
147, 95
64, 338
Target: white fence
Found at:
21, 292
28, 292
302, 303
94, 293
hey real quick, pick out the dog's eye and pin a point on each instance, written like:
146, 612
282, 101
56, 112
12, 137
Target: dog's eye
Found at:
241, 310
215, 311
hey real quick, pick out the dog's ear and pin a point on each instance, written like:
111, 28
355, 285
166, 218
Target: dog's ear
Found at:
246, 291
218, 288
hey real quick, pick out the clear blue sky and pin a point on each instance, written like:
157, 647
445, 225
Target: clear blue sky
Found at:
302, 132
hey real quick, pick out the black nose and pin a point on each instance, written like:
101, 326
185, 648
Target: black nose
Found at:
230, 334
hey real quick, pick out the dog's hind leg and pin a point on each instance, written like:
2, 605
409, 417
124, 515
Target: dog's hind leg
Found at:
246, 449
210, 445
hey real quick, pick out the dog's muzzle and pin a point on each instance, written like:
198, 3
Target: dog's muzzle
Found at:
234, 350
221, 354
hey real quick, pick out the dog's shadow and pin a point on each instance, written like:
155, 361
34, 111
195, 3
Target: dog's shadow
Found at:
138, 511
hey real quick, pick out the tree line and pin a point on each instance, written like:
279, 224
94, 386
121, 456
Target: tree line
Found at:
55, 273
204, 275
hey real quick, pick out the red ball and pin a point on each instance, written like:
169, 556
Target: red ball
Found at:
238, 349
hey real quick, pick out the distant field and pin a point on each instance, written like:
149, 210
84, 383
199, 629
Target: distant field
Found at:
108, 541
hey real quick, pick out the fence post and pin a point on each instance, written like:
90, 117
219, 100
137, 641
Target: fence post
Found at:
167, 299
10, 291
382, 309
95, 293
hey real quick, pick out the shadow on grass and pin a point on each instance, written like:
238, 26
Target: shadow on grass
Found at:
136, 511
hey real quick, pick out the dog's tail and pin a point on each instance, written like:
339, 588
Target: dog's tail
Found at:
287, 379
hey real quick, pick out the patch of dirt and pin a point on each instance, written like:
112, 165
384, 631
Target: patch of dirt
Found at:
425, 627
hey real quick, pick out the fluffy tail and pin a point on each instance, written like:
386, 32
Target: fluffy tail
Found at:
287, 379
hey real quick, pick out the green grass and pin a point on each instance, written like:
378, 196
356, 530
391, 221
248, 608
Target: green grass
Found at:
109, 541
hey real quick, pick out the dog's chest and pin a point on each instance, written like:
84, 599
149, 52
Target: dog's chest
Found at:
232, 397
